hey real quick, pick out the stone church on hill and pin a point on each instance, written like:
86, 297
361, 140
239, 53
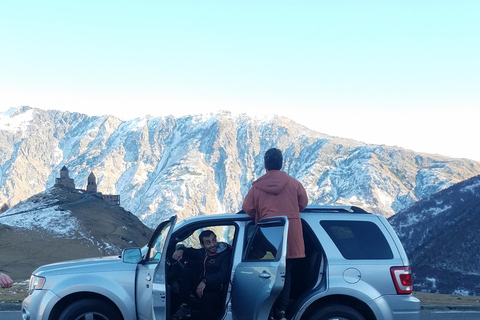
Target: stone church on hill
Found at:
68, 183
64, 181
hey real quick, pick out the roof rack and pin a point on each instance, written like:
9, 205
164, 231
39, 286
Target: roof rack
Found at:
350, 209
318, 208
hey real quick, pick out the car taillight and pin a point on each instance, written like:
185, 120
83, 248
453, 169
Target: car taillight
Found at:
402, 278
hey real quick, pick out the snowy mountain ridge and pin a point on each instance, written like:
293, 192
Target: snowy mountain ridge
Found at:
440, 235
205, 164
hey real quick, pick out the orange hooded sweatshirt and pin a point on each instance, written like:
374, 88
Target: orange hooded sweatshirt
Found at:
278, 194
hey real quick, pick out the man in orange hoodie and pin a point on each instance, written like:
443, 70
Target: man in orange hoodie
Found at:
278, 194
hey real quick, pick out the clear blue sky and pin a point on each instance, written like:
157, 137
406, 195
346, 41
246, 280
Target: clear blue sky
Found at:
403, 73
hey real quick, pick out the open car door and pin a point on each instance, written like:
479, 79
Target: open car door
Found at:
259, 277
151, 282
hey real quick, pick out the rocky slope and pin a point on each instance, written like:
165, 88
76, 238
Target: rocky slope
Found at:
58, 225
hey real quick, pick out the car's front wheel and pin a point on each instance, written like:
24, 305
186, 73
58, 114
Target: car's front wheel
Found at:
336, 312
90, 309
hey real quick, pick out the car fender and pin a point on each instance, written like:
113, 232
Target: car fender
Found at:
337, 295
117, 288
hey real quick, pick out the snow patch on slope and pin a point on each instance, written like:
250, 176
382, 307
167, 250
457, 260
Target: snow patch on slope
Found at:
51, 219
41, 216
471, 188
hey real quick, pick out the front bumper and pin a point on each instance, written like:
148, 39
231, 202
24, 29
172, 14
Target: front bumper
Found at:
38, 305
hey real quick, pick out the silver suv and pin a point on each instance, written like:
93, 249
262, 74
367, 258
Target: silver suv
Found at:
355, 269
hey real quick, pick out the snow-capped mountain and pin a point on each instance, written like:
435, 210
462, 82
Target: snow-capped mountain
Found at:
205, 164
440, 235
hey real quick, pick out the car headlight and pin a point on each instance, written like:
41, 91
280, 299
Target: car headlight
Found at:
36, 283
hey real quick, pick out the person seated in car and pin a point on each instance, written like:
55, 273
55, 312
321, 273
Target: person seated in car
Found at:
206, 275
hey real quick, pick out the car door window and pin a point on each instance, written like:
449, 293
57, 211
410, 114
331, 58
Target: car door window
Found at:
265, 244
224, 233
155, 252
357, 240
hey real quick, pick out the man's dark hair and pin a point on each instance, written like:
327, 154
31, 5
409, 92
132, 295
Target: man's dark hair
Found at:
205, 234
273, 159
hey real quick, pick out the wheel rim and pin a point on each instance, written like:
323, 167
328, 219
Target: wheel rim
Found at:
92, 316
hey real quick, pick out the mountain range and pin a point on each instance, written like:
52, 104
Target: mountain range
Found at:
205, 164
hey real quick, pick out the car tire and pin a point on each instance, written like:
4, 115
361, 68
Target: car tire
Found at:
90, 309
336, 312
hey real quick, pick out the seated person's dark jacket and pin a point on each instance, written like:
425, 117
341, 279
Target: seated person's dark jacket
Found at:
213, 267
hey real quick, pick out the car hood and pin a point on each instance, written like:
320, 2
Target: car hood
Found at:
93, 265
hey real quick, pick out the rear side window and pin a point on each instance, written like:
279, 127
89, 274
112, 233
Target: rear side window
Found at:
358, 240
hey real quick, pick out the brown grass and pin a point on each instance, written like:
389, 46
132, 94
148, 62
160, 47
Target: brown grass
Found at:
15, 294
437, 299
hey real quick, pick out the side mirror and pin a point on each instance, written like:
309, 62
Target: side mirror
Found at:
132, 255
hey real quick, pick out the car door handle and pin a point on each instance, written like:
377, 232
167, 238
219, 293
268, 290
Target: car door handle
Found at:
265, 275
